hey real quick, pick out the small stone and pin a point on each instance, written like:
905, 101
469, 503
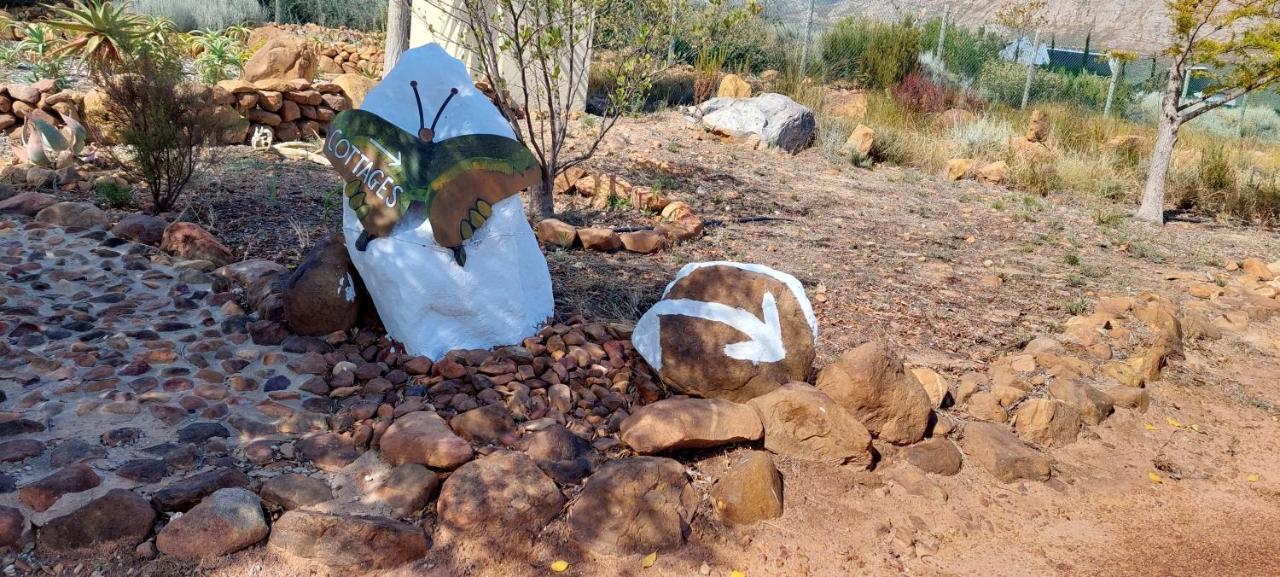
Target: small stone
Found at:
202, 432
750, 491
562, 455
490, 424
42, 494
501, 493
938, 455
143, 470
186, 493
1049, 422
424, 438
407, 489
293, 491
118, 518
689, 423
803, 422
636, 505
20, 450
347, 542
328, 451
1003, 454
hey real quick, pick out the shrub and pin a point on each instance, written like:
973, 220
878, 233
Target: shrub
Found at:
188, 15
113, 194
986, 137
877, 54
336, 13
102, 33
1004, 81
160, 126
922, 94
965, 51
219, 56
38, 48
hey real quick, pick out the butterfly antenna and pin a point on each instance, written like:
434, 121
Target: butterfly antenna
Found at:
452, 92
422, 120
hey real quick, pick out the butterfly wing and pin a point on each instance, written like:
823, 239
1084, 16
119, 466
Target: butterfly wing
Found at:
383, 167
471, 174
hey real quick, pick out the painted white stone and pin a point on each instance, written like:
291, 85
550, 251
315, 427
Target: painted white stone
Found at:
764, 344
426, 301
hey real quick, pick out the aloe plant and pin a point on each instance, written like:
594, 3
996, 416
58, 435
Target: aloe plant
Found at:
46, 146
103, 33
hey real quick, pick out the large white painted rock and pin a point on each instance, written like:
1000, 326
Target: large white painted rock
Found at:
426, 299
729, 330
777, 119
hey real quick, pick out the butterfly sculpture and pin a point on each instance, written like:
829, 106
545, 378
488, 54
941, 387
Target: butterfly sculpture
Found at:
457, 180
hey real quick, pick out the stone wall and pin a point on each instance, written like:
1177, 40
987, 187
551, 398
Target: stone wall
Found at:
292, 110
17, 100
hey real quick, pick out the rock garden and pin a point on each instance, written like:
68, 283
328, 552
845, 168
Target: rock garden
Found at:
722, 353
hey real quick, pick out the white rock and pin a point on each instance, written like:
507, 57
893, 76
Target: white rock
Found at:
779, 120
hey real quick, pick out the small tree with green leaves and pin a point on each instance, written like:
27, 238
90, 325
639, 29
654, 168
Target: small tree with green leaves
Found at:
537, 54
1239, 37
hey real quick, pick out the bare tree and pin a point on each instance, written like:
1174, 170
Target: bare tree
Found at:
398, 14
537, 55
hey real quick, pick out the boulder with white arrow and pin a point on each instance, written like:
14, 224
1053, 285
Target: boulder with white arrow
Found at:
729, 330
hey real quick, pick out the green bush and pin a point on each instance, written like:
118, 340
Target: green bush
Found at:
965, 51
188, 15
877, 54
333, 13
113, 195
1003, 82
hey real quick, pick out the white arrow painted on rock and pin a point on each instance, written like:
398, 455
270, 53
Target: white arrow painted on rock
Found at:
395, 158
764, 344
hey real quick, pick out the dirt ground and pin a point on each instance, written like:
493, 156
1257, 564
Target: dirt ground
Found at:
953, 275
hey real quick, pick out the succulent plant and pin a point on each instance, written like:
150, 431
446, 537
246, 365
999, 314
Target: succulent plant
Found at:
44, 145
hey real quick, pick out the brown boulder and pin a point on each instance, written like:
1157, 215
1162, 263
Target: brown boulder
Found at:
1038, 127
871, 383
750, 491
1002, 454
293, 490
190, 241
407, 489
642, 241
636, 505
118, 518
142, 228
803, 422
553, 232
43, 493
733, 86
487, 425
347, 542
599, 239
709, 358
938, 456
672, 424
225, 522
424, 438
356, 87
284, 57
1093, 405
502, 493
27, 203
320, 296
13, 528
81, 214
1048, 422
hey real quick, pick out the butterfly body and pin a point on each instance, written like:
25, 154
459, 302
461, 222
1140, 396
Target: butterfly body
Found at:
458, 180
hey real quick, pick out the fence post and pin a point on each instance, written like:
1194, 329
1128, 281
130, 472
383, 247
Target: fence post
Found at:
942, 30
1031, 68
671, 41
1114, 64
1243, 101
804, 51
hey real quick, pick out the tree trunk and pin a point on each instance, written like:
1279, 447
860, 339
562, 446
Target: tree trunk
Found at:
1152, 209
398, 14
543, 201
